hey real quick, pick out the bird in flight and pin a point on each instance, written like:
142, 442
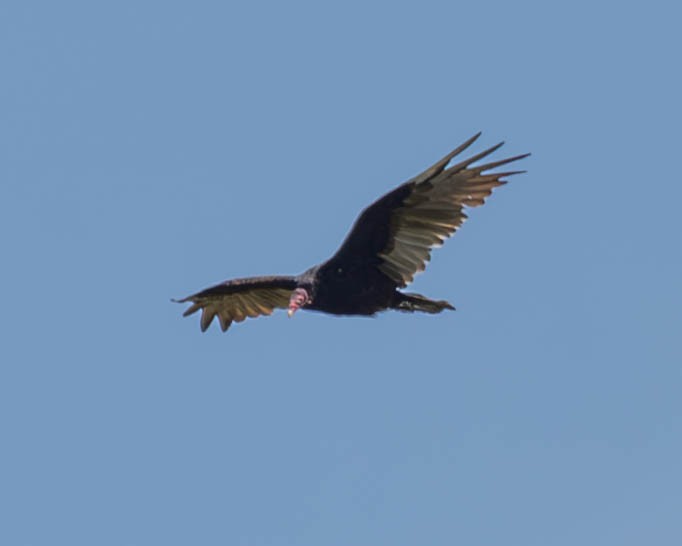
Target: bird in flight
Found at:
389, 243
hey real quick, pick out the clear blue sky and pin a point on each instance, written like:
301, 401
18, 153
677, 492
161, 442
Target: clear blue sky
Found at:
151, 149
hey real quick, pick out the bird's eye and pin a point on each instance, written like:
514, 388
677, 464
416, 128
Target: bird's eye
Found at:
339, 271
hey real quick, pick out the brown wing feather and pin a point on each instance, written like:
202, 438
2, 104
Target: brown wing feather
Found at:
397, 232
238, 299
433, 210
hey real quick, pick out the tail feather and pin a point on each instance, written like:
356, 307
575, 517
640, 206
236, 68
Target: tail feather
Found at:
416, 302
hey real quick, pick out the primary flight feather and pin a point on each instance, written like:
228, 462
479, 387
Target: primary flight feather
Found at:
389, 243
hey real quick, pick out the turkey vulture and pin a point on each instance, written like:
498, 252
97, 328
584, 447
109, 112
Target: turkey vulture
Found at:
389, 243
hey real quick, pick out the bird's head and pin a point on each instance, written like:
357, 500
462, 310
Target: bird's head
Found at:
299, 298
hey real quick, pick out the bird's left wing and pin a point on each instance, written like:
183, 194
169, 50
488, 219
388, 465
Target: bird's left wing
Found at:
397, 232
235, 300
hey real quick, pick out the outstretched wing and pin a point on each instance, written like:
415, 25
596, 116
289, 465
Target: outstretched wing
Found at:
397, 232
235, 300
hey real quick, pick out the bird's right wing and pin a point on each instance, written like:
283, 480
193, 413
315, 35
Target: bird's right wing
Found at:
235, 300
397, 232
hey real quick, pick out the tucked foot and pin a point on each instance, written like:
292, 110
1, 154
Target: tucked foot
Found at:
416, 302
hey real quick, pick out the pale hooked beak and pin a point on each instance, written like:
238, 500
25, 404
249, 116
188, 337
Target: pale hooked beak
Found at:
299, 298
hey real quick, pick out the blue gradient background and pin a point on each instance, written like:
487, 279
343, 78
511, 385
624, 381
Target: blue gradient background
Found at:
150, 149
